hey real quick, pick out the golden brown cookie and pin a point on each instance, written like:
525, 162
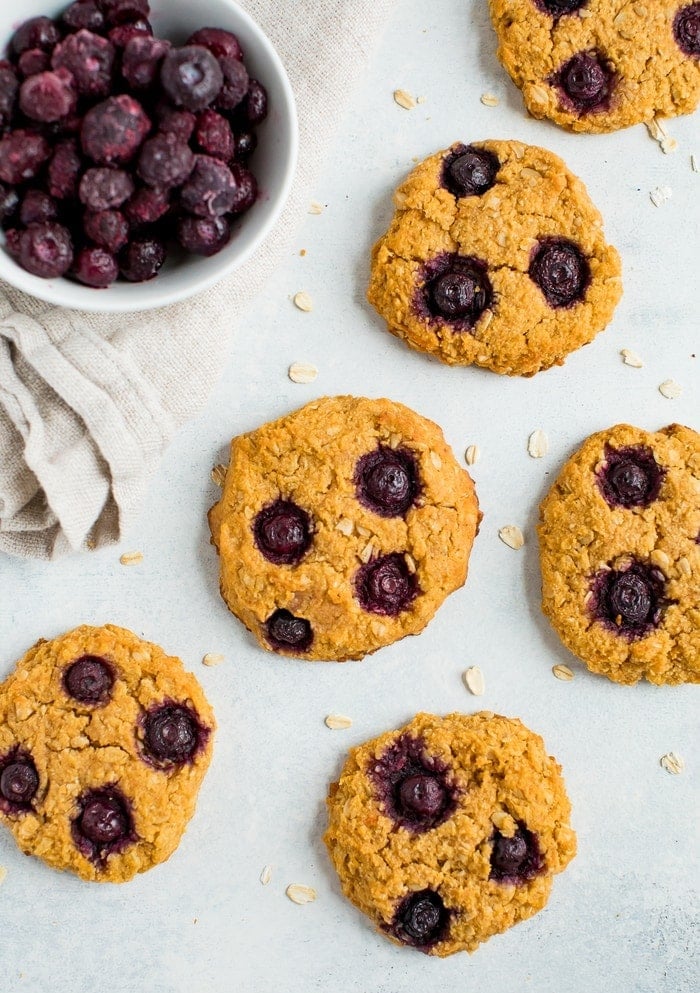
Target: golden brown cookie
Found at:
342, 527
495, 257
620, 554
449, 830
601, 65
104, 741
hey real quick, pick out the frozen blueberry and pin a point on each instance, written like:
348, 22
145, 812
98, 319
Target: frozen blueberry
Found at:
103, 824
178, 122
686, 29
210, 190
631, 476
386, 481
457, 289
9, 87
469, 171
148, 205
203, 235
33, 61
629, 601
235, 83
90, 59
172, 734
283, 532
84, 14
246, 189
37, 207
219, 42
107, 228
12, 241
124, 11
516, 860
246, 143
586, 82
64, 169
165, 161
413, 786
422, 920
561, 271
142, 259
141, 60
19, 781
95, 267
214, 136
385, 585
37, 32
22, 154
191, 77
254, 106
102, 188
48, 96
286, 633
113, 130
557, 8
89, 680
9, 205
46, 250
124, 33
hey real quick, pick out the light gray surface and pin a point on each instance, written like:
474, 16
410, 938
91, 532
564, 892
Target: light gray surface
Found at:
622, 917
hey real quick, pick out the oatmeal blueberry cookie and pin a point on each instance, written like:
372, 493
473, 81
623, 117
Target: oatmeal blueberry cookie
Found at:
342, 527
601, 65
620, 554
104, 741
495, 257
449, 830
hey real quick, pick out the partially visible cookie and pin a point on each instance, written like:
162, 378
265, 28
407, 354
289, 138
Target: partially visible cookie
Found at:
620, 554
342, 527
601, 65
495, 257
104, 742
449, 830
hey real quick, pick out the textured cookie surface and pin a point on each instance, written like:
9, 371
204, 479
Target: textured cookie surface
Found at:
449, 830
342, 527
104, 741
620, 554
600, 65
495, 257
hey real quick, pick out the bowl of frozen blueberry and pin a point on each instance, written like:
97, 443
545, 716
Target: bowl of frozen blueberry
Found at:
145, 153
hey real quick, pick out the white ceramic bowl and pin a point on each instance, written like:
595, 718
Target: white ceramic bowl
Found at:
273, 163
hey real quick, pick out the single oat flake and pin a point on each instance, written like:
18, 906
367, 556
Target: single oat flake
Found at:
537, 444
631, 358
672, 763
489, 100
670, 389
300, 894
512, 536
266, 875
660, 195
302, 301
315, 207
472, 455
563, 672
131, 558
218, 475
337, 722
302, 372
474, 680
404, 99
212, 658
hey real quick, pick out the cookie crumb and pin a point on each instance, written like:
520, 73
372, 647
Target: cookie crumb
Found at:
489, 100
563, 672
631, 358
212, 658
302, 252
302, 301
472, 455
131, 558
474, 680
300, 894
660, 195
404, 99
537, 444
669, 145
337, 722
512, 536
266, 875
315, 207
302, 372
672, 763
218, 474
670, 389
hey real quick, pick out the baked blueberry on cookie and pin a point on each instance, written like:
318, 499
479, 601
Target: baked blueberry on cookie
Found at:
601, 65
342, 527
495, 257
620, 554
449, 830
104, 742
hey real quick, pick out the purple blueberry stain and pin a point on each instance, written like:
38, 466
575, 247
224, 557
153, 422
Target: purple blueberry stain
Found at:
103, 825
629, 601
561, 271
456, 289
686, 29
171, 735
89, 680
286, 633
421, 920
469, 172
19, 781
516, 860
283, 532
413, 787
385, 585
630, 477
586, 82
386, 481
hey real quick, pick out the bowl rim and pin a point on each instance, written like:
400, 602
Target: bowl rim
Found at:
62, 292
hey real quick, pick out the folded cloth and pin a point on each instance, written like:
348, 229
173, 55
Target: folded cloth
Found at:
89, 402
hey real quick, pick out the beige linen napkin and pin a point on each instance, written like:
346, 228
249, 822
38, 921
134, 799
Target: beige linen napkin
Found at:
89, 402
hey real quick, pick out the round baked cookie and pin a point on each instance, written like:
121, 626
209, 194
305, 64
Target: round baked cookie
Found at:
495, 257
342, 527
104, 741
620, 554
601, 65
449, 830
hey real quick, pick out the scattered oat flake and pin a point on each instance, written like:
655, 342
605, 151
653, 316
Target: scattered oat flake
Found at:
302, 301
404, 99
672, 763
338, 722
266, 875
345, 526
660, 195
315, 207
695, 163
670, 389
302, 372
472, 455
131, 558
669, 145
474, 680
218, 474
631, 358
563, 672
512, 536
656, 129
420, 99
489, 100
537, 444
213, 658
300, 894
